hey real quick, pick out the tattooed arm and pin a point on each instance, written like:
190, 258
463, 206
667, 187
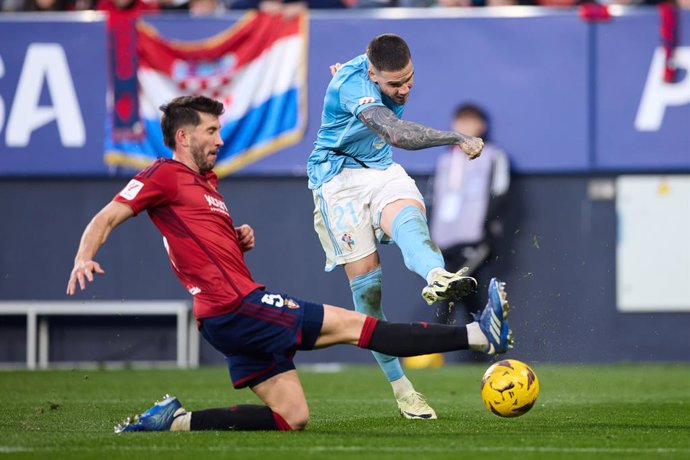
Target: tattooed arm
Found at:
409, 135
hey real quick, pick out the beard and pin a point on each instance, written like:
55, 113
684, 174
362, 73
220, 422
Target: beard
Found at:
400, 99
204, 161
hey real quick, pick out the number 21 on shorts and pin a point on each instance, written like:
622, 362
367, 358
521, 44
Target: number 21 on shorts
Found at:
344, 212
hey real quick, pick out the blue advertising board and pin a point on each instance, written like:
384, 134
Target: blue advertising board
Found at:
52, 95
584, 102
642, 122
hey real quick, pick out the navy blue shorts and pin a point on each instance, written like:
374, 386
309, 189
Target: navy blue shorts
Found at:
260, 338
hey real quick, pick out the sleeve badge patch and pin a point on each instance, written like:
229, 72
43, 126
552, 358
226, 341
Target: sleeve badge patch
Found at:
132, 189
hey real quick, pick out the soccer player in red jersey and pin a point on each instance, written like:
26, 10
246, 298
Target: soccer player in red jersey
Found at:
258, 331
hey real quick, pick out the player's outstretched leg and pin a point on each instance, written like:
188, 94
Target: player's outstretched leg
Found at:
411, 233
366, 294
444, 285
492, 320
158, 418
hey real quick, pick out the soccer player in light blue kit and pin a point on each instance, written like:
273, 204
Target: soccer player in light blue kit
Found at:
362, 196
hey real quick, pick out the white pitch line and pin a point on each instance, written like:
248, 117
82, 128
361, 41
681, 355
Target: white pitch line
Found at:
12, 450
537, 449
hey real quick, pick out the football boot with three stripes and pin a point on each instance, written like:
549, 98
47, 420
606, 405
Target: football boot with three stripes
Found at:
158, 418
492, 320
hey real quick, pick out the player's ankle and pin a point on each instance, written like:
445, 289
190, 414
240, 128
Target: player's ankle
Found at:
432, 272
476, 339
402, 387
182, 420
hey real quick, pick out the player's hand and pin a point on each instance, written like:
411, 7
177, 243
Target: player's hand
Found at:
334, 68
81, 272
245, 234
472, 146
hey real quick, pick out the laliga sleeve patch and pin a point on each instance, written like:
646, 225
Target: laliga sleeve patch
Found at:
132, 189
366, 100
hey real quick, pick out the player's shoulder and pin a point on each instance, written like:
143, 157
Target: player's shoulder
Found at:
160, 168
357, 63
354, 70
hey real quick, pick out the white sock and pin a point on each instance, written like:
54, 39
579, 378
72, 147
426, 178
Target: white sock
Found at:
432, 272
402, 387
182, 420
475, 337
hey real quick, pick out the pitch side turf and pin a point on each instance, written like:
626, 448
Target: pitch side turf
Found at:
622, 411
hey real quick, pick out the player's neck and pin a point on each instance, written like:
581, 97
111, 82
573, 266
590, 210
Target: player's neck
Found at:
187, 161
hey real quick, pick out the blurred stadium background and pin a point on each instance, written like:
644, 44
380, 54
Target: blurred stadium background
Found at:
596, 249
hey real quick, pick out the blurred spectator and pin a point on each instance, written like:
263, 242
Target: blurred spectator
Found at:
558, 3
129, 6
288, 7
46, 5
459, 3
373, 3
455, 3
465, 204
205, 7
11, 5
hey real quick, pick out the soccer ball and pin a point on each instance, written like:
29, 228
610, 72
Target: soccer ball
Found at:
509, 388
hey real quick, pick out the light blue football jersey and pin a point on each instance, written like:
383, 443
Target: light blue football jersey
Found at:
349, 92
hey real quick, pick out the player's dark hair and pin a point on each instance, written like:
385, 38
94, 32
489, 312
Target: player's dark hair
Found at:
184, 110
473, 110
388, 52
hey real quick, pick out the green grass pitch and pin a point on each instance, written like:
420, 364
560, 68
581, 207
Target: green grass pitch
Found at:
632, 411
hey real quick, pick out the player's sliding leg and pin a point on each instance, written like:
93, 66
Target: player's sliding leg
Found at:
282, 394
286, 406
366, 294
169, 415
410, 231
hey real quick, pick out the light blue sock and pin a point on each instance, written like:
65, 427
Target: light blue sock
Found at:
366, 293
411, 234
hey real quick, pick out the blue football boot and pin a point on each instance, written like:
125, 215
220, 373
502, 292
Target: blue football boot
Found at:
493, 322
158, 418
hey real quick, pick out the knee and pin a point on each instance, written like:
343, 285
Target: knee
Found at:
298, 418
299, 425
340, 326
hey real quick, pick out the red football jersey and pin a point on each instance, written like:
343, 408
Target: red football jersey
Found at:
197, 232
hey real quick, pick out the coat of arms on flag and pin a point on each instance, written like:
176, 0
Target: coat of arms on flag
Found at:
256, 68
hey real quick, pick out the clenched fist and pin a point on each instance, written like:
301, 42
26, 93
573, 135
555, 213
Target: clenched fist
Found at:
472, 146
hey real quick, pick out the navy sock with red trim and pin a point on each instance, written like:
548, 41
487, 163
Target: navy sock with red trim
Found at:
411, 339
246, 417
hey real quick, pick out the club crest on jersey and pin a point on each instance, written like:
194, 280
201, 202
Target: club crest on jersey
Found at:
291, 304
132, 189
348, 240
194, 290
366, 100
